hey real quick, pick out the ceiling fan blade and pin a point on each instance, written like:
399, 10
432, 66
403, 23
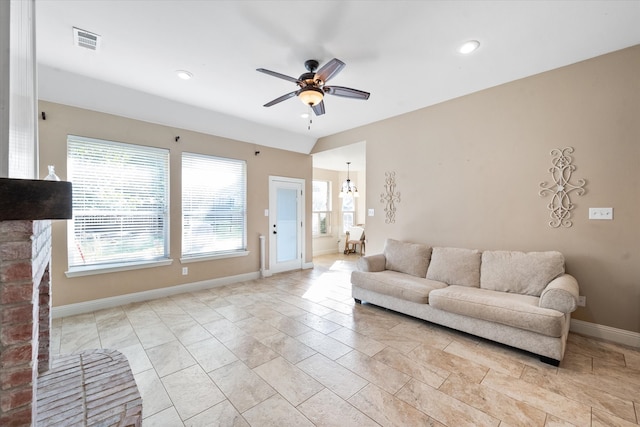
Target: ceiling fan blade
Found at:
346, 92
278, 75
329, 70
281, 98
318, 109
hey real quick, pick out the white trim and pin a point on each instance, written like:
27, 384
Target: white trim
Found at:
102, 303
307, 265
112, 268
214, 257
619, 336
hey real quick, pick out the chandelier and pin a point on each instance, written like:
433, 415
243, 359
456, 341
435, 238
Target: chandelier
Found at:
347, 188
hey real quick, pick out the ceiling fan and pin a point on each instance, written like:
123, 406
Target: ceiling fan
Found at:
312, 85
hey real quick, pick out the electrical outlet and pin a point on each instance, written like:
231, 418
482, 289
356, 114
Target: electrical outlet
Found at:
185, 271
582, 301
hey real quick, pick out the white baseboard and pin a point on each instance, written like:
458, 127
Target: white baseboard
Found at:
620, 336
102, 303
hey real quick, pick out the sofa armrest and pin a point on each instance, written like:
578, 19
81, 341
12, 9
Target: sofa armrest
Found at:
561, 294
372, 263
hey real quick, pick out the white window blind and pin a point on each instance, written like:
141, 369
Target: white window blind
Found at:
213, 205
120, 202
321, 215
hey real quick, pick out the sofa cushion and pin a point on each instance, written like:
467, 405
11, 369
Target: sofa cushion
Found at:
405, 257
519, 311
519, 272
455, 266
399, 285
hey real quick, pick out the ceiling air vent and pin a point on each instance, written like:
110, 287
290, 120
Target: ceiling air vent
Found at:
86, 39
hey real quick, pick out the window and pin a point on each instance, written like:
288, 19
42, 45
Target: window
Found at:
120, 200
321, 215
214, 199
348, 212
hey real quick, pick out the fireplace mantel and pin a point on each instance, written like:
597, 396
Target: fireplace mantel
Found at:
31, 199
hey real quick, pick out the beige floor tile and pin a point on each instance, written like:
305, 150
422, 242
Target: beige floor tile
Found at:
385, 336
403, 363
79, 321
604, 419
539, 397
117, 336
221, 415
422, 332
287, 325
202, 313
288, 380
256, 328
251, 351
326, 409
318, 323
189, 332
211, 354
275, 412
233, 313
387, 410
223, 330
577, 362
384, 376
169, 358
137, 356
79, 338
612, 385
167, 418
154, 396
510, 411
442, 407
335, 377
553, 421
606, 368
111, 318
632, 358
289, 348
324, 344
440, 362
154, 335
243, 387
593, 348
142, 316
345, 320
191, 391
486, 357
357, 341
596, 398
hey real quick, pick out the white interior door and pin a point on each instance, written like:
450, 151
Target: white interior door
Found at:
286, 225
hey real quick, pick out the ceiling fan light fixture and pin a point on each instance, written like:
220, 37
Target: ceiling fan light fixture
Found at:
468, 47
311, 96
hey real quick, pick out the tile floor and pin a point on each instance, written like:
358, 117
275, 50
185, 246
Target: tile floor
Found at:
294, 350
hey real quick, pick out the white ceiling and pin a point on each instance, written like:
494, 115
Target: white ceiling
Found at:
403, 52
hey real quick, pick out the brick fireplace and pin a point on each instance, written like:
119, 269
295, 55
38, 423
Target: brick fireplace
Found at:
26, 210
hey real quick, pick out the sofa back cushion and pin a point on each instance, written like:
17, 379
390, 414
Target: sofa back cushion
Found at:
405, 257
519, 272
455, 266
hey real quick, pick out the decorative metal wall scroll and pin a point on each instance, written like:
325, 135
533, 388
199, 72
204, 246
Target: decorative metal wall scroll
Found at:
390, 197
560, 206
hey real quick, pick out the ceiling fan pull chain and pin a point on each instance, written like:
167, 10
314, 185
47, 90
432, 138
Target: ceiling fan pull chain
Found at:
310, 119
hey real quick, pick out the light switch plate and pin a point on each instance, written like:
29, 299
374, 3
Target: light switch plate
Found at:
600, 213
370, 212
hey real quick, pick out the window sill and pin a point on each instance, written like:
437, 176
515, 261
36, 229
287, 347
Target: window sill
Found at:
324, 236
213, 257
113, 268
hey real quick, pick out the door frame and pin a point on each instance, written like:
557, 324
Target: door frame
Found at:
273, 180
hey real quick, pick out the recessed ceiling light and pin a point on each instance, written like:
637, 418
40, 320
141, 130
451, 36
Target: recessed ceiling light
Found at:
184, 75
304, 115
468, 47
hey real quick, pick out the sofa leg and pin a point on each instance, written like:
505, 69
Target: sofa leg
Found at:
549, 361
357, 301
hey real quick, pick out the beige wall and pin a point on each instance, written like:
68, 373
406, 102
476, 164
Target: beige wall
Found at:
469, 170
63, 120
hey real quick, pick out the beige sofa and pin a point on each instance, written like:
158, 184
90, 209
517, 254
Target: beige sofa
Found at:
523, 300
